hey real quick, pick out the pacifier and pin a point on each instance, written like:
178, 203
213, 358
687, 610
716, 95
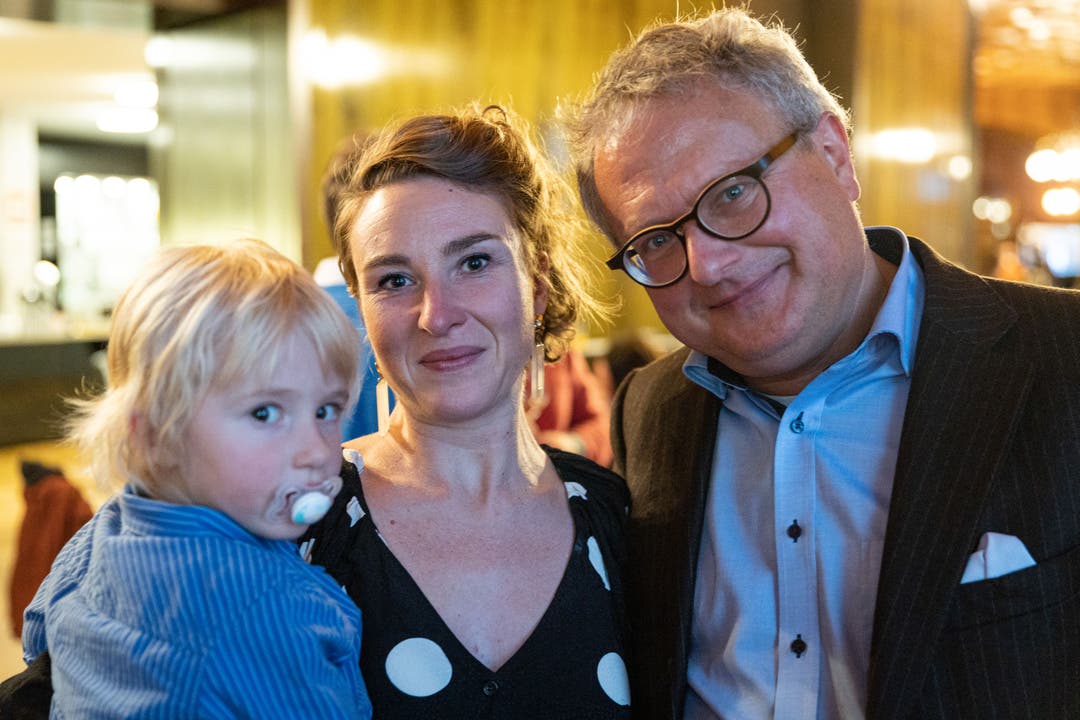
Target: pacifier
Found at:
310, 507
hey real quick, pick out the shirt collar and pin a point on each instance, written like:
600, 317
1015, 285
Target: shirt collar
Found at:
900, 315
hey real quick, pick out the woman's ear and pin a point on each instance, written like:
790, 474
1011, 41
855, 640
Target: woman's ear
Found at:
541, 286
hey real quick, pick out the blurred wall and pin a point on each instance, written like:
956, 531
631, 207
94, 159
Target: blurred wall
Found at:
522, 53
19, 221
896, 64
225, 161
914, 129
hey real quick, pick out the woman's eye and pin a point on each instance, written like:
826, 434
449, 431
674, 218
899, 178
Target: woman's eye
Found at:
394, 281
329, 411
266, 413
476, 263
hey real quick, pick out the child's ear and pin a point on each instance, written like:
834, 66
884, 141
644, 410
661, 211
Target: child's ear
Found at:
138, 431
145, 445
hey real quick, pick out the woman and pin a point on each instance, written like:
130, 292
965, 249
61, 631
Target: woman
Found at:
487, 568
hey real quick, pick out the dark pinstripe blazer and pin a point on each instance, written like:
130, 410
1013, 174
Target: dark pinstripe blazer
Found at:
990, 442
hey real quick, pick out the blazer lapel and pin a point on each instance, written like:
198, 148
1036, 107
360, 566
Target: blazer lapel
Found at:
701, 410
967, 390
675, 423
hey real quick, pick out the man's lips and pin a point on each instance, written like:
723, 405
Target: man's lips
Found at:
744, 291
450, 358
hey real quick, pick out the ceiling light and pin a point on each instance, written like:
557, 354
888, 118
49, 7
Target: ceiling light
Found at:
158, 52
127, 120
1056, 158
1061, 202
139, 93
913, 145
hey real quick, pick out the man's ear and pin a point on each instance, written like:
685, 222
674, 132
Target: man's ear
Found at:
831, 136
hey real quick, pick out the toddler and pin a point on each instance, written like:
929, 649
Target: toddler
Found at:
184, 596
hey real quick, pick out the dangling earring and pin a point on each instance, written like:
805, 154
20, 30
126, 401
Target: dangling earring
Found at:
536, 363
382, 401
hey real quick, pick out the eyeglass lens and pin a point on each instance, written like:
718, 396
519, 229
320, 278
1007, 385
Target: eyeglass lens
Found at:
730, 209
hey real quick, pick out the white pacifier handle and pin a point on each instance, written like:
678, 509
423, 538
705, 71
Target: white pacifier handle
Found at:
310, 507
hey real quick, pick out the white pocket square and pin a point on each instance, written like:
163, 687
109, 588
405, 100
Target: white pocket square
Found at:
998, 555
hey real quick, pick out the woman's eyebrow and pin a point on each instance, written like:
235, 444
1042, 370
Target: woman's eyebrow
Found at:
454, 247
460, 245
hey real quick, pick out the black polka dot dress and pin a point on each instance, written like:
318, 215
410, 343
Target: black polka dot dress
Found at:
573, 665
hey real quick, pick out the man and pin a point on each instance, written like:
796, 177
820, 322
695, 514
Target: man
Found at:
856, 490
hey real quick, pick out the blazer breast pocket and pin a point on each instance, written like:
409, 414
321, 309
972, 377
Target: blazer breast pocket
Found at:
1006, 647
1050, 582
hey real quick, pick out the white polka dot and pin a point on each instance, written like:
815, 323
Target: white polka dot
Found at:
611, 672
354, 510
418, 667
352, 455
574, 489
597, 561
305, 549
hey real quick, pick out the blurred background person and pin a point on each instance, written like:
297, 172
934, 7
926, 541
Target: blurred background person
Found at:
574, 411
363, 417
55, 510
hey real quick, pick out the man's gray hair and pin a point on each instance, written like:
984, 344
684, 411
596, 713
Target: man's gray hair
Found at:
670, 59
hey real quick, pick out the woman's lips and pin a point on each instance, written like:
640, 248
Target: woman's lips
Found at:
450, 358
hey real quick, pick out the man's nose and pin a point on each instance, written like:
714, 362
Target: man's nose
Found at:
708, 258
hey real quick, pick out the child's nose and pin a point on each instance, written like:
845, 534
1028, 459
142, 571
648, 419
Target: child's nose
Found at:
318, 445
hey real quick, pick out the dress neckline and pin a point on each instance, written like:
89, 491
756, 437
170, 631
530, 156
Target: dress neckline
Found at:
457, 646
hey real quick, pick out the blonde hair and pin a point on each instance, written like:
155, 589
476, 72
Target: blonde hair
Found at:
199, 318
488, 150
728, 47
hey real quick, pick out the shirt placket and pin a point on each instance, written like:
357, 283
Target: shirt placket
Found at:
798, 634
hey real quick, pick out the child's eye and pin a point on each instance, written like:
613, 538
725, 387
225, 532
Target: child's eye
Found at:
329, 411
476, 263
266, 413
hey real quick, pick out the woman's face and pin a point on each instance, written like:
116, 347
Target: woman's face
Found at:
446, 298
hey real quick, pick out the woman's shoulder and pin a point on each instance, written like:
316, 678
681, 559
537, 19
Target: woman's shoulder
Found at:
329, 540
598, 481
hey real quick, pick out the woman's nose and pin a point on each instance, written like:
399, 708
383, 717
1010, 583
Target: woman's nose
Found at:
440, 310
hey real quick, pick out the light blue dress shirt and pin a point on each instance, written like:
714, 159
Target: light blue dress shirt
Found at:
363, 417
794, 528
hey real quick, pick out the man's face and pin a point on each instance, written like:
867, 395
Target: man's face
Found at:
783, 303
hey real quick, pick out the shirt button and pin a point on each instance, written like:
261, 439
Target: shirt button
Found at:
797, 425
794, 531
798, 646
491, 687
